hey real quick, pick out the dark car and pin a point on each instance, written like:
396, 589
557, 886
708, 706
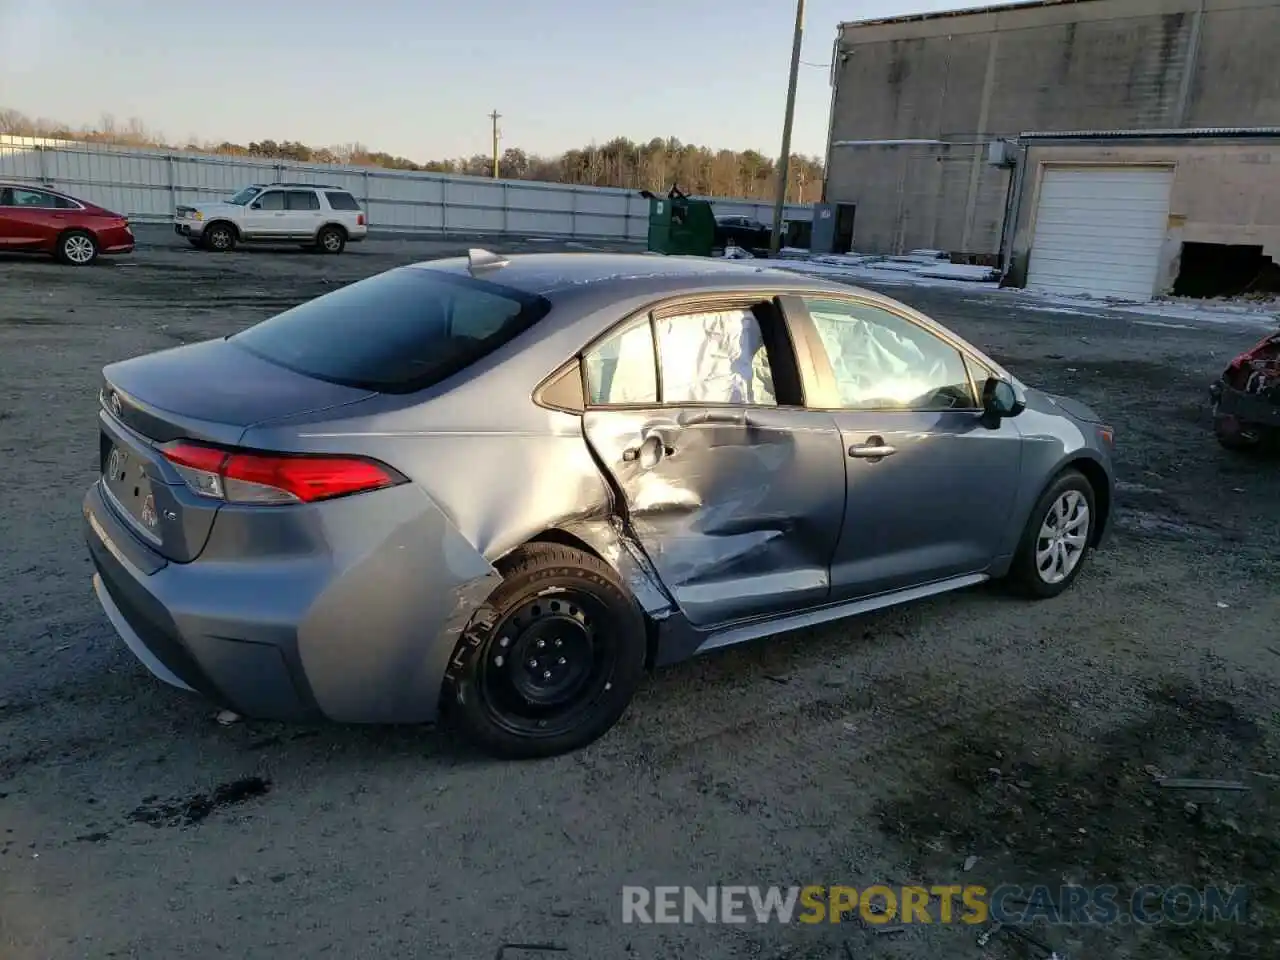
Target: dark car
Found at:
1246, 398
40, 220
743, 232
506, 487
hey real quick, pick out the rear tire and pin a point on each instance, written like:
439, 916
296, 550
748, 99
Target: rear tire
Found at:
331, 240
220, 237
1058, 538
78, 248
557, 665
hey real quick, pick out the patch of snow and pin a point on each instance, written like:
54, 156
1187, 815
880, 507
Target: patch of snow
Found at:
922, 272
1161, 323
960, 271
928, 254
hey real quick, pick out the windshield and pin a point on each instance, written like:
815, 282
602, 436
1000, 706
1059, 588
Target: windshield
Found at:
244, 196
397, 332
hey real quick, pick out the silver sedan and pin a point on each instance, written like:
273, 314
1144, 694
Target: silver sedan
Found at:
498, 490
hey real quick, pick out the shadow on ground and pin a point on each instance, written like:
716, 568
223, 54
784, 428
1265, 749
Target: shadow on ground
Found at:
1035, 811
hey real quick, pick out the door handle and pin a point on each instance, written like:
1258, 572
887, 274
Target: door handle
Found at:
649, 452
874, 449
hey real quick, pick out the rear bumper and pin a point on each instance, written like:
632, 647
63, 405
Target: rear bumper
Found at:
116, 241
361, 633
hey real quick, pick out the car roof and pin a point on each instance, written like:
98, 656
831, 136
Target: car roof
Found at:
549, 273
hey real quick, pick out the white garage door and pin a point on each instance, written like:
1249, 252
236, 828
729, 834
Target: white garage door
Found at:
1099, 231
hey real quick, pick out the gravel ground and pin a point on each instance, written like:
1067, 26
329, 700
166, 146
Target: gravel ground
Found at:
894, 748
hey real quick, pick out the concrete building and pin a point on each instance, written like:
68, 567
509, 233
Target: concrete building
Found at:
1082, 143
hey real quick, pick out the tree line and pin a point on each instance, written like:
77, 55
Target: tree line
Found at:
653, 165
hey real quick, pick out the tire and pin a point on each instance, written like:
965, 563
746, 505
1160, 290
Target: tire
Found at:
515, 695
332, 240
1069, 488
77, 248
219, 237
1236, 436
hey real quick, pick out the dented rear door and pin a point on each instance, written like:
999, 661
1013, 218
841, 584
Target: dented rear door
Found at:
734, 490
738, 509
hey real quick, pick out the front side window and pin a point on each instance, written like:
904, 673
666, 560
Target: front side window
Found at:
883, 361
714, 357
623, 369
396, 332
271, 200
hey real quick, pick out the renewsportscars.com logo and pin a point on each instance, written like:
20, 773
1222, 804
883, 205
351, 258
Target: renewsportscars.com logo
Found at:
970, 904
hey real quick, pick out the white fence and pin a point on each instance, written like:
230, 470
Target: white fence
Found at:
146, 185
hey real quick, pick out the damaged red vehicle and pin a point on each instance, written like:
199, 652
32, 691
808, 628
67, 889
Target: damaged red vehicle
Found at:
1246, 399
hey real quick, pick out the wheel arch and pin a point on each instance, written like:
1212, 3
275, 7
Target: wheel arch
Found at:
602, 540
224, 222
335, 225
67, 231
1100, 481
1095, 473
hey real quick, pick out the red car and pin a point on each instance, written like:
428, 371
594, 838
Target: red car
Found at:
1246, 398
39, 220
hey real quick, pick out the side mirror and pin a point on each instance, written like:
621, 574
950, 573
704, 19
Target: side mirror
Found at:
1000, 400
255, 206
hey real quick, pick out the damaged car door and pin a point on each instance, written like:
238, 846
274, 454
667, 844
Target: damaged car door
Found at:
732, 488
931, 481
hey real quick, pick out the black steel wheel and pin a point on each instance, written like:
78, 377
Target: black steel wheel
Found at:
557, 665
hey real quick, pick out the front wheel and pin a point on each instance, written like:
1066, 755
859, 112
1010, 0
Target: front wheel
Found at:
78, 248
556, 666
1057, 538
220, 237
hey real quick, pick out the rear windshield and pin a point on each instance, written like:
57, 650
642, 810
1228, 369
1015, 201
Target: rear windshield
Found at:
396, 332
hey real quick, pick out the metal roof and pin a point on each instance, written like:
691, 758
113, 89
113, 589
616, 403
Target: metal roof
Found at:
1191, 133
963, 12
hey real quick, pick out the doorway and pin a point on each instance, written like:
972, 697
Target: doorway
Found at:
844, 228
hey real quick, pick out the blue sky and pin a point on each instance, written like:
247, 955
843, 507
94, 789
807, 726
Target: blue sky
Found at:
418, 78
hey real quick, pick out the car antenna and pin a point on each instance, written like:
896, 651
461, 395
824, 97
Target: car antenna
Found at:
479, 259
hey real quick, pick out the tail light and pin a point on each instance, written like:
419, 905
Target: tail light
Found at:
360, 219
240, 476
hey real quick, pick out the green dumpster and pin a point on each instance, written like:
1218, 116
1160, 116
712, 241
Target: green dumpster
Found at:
680, 225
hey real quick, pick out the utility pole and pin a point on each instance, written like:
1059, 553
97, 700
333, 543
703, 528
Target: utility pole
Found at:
495, 117
775, 241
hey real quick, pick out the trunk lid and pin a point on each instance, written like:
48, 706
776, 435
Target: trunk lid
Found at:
211, 391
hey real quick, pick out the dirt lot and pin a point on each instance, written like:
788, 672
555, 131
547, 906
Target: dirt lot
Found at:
890, 749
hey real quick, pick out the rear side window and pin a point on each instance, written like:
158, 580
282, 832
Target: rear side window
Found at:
302, 200
342, 201
396, 332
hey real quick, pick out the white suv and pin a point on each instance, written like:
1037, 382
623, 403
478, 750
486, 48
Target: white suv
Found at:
323, 218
